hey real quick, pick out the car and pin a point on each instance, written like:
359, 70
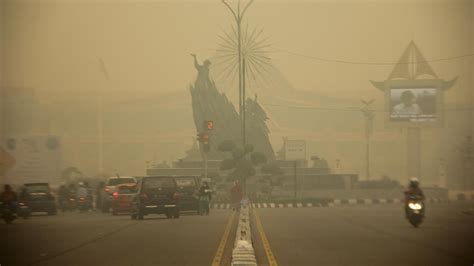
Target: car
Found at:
188, 188
122, 198
39, 198
110, 187
156, 195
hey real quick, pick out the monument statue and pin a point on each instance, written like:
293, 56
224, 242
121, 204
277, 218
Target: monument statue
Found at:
209, 104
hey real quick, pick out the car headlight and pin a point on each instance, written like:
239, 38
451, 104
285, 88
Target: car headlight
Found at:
415, 206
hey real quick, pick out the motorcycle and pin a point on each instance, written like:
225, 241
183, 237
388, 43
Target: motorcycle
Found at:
84, 204
68, 204
24, 210
8, 213
415, 210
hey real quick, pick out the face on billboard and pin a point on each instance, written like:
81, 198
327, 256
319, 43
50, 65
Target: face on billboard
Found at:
413, 104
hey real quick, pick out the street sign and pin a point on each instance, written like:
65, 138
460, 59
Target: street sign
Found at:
295, 150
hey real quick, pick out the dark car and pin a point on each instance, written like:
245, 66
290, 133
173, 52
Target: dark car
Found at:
39, 198
156, 195
188, 189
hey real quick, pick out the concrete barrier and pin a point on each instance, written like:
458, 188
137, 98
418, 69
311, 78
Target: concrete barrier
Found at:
243, 253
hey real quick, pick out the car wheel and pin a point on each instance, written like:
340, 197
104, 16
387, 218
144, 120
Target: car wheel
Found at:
114, 213
133, 216
52, 212
140, 216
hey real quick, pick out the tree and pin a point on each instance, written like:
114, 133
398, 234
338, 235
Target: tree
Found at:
70, 173
242, 161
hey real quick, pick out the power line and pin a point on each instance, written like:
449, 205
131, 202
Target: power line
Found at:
350, 108
373, 63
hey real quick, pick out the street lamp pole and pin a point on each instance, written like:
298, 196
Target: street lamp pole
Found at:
369, 115
238, 17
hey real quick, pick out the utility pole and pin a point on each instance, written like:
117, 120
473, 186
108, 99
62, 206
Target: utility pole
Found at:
243, 105
238, 17
204, 138
368, 113
100, 119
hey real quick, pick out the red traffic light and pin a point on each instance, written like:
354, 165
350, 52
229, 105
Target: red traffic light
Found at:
210, 125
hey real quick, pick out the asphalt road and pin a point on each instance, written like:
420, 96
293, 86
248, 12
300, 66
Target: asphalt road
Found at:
344, 235
101, 239
366, 235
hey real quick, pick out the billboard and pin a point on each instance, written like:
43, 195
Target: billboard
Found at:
37, 157
414, 103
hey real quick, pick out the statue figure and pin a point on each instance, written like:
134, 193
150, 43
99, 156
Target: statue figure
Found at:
203, 71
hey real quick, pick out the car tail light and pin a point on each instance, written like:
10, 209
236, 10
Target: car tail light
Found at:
82, 198
115, 195
107, 189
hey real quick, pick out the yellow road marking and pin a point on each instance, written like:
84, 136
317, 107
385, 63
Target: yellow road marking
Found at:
266, 245
220, 250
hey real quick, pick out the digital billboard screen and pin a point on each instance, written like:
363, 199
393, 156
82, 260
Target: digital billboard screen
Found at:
413, 104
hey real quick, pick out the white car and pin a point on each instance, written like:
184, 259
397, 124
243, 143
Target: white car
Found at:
111, 187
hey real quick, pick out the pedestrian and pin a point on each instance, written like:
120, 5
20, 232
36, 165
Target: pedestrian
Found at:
204, 198
236, 196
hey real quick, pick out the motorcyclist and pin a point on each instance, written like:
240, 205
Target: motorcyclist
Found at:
204, 198
414, 190
81, 191
9, 198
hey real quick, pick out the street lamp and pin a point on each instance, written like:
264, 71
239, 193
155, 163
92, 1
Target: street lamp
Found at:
238, 17
368, 113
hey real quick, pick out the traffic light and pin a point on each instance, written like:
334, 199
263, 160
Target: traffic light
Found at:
205, 138
208, 125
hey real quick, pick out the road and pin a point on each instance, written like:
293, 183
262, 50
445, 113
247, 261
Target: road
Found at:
103, 239
344, 235
367, 235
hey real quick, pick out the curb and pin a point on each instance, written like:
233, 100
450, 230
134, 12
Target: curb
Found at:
333, 203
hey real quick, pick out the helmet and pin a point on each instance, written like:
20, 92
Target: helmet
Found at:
414, 182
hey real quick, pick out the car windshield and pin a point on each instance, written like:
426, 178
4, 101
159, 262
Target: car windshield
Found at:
118, 181
161, 182
127, 190
37, 188
185, 182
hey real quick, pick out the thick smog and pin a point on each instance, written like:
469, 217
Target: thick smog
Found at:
237, 132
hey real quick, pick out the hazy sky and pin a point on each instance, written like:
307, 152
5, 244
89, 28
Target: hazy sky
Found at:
55, 45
